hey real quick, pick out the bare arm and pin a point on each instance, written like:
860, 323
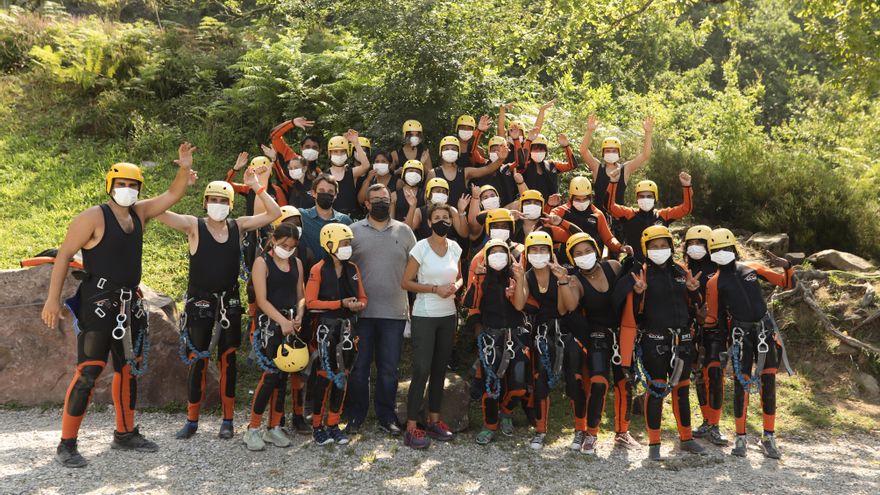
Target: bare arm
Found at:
409, 283
642, 158
363, 161
589, 159
539, 121
178, 222
272, 212
153, 207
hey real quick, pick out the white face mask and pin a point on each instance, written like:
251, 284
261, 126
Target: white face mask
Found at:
414, 140
493, 156
645, 204
539, 260
339, 159
449, 155
531, 212
659, 256
696, 252
586, 262
611, 157
438, 198
217, 211
722, 257
381, 168
283, 253
296, 173
500, 234
581, 205
343, 253
309, 154
498, 260
464, 135
125, 196
412, 178
538, 156
491, 203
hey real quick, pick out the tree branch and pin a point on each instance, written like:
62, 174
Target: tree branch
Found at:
617, 22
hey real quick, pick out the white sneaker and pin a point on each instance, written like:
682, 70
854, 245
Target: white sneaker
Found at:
277, 437
537, 442
577, 440
254, 440
589, 445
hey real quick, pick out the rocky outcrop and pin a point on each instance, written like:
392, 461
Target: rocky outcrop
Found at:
832, 259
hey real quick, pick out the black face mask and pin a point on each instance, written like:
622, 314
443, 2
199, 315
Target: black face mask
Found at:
379, 210
441, 228
324, 200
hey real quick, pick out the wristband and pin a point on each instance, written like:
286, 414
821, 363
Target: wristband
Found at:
558, 283
261, 190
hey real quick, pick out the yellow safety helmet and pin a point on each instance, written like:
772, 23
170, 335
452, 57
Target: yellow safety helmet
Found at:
287, 211
260, 161
498, 215
721, 238
449, 140
538, 238
702, 232
540, 139
466, 120
493, 243
365, 143
413, 164
123, 170
337, 143
222, 189
654, 232
578, 238
488, 187
292, 358
411, 126
648, 186
531, 194
580, 186
516, 124
611, 142
496, 141
435, 182
334, 233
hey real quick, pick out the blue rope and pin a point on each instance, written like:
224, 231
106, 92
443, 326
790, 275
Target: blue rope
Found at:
186, 345
338, 379
142, 348
544, 352
646, 380
748, 385
263, 362
493, 383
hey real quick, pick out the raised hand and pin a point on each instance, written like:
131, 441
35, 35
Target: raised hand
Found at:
269, 152
503, 151
410, 196
648, 125
592, 123
692, 282
563, 140
480, 269
352, 136
241, 161
547, 105
517, 270
251, 179
559, 271
554, 219
483, 125
517, 177
475, 191
463, 202
640, 282
193, 177
533, 134
553, 201
517, 215
185, 155
685, 179
302, 123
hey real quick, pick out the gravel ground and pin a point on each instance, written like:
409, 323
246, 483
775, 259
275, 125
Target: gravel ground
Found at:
374, 463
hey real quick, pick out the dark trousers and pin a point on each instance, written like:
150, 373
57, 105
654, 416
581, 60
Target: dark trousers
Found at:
382, 338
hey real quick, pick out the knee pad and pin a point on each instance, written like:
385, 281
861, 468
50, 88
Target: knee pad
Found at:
82, 389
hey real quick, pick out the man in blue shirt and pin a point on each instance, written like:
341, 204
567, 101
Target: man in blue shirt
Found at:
324, 189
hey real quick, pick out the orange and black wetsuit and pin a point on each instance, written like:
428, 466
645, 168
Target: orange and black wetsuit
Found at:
662, 315
501, 331
272, 389
709, 344
559, 233
593, 222
108, 294
544, 176
334, 336
635, 220
734, 293
212, 300
502, 180
297, 193
604, 357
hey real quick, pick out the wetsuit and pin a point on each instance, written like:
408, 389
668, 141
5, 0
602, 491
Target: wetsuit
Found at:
635, 220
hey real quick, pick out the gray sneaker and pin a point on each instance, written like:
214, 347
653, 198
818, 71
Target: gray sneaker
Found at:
739, 448
577, 440
716, 437
692, 446
768, 444
254, 440
485, 436
589, 445
277, 437
703, 430
507, 425
537, 441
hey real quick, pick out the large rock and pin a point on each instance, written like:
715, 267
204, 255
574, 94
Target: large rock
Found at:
832, 259
868, 384
775, 243
454, 411
37, 364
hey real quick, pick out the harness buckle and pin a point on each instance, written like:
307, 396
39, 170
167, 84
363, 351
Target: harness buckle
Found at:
101, 282
100, 312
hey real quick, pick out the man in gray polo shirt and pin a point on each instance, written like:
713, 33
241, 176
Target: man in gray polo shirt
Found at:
380, 249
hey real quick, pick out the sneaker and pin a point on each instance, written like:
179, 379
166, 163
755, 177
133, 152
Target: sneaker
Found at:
654, 453
189, 429
391, 428
68, 455
692, 446
768, 444
485, 436
253, 439
300, 425
716, 437
703, 430
626, 441
353, 427
416, 439
439, 431
337, 435
227, 431
577, 440
321, 436
132, 441
588, 447
739, 447
537, 441
276, 437
507, 425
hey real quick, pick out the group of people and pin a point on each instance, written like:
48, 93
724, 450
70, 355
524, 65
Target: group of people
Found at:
582, 291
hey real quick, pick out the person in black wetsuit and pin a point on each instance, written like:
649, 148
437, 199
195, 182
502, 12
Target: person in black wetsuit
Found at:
413, 146
347, 177
109, 316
